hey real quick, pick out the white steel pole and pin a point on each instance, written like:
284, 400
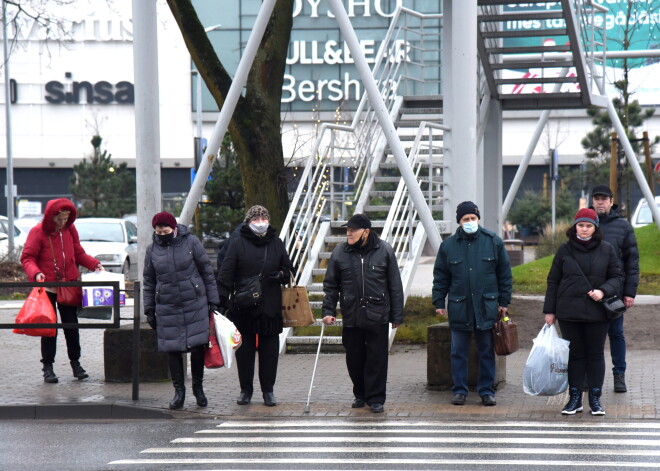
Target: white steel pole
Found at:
386, 123
10, 160
462, 73
227, 111
147, 124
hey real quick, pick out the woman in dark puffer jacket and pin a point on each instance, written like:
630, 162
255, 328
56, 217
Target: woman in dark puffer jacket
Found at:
179, 294
576, 304
256, 250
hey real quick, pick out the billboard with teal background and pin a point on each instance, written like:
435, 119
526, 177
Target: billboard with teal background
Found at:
637, 21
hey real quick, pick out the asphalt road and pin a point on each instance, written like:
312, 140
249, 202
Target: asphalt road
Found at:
578, 443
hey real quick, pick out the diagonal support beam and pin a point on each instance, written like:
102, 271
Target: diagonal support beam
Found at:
632, 158
240, 79
386, 123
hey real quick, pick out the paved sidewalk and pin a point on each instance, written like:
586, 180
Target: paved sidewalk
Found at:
25, 395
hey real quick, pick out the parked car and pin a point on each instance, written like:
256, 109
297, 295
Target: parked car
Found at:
19, 237
25, 224
642, 215
112, 241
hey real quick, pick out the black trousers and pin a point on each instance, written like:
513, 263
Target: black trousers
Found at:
68, 314
586, 352
366, 360
269, 354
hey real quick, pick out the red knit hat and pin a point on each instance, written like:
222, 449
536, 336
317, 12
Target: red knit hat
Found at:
586, 215
164, 219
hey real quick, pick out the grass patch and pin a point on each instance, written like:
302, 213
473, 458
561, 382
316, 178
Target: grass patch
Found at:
530, 278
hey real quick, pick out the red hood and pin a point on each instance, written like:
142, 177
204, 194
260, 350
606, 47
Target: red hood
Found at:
53, 208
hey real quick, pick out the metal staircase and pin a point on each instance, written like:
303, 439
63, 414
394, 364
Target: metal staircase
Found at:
568, 38
351, 170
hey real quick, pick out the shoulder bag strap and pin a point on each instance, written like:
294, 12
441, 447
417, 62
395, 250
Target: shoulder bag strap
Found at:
570, 252
263, 264
52, 251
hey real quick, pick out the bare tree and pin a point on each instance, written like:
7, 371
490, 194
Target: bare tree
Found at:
255, 125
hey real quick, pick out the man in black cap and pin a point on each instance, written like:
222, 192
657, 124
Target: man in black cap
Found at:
618, 232
473, 273
363, 275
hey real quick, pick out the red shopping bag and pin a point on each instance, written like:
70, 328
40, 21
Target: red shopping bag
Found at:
37, 309
212, 353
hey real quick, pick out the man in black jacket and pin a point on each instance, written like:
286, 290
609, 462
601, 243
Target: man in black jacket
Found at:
618, 232
363, 275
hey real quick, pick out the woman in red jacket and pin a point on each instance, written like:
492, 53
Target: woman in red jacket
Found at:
53, 252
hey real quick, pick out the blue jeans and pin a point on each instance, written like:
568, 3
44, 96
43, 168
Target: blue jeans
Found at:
617, 345
460, 350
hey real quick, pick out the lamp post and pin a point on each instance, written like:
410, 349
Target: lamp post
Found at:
10, 163
198, 96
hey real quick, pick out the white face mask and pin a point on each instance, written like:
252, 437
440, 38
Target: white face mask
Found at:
470, 227
259, 227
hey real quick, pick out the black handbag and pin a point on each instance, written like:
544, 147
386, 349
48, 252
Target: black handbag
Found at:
613, 305
247, 294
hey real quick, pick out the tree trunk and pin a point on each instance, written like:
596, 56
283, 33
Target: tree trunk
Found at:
255, 125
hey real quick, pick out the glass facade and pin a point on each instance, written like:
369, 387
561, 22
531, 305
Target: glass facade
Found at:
320, 73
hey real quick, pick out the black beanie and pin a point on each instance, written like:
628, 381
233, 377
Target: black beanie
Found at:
466, 207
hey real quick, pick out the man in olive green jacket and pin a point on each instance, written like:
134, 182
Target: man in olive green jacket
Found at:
472, 272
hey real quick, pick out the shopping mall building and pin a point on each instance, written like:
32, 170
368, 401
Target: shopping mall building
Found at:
67, 88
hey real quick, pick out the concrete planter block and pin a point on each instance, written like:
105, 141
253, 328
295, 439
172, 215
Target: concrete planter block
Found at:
438, 362
118, 356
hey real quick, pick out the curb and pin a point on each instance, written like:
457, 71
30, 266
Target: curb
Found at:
87, 411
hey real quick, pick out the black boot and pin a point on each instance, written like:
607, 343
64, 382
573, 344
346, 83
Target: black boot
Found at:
574, 403
49, 374
197, 370
176, 371
594, 402
78, 370
620, 383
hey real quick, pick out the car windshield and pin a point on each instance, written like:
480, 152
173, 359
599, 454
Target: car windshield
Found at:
644, 216
100, 231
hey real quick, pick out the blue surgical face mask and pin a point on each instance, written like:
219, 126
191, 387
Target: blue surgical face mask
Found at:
470, 227
259, 227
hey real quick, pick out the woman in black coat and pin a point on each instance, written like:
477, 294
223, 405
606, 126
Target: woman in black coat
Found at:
179, 293
258, 250
576, 304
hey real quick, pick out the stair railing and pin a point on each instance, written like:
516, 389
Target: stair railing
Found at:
402, 229
407, 48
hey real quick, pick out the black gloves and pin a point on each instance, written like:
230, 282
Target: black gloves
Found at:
151, 319
277, 276
213, 308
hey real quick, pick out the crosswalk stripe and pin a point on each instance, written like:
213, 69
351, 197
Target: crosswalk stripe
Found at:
351, 439
427, 431
386, 445
508, 425
393, 450
369, 461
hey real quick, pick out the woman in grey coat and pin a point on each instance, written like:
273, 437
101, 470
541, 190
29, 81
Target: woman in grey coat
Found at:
179, 294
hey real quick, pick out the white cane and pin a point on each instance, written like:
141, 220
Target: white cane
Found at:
318, 351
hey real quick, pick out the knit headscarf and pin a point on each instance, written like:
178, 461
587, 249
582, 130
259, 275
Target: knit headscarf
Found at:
256, 211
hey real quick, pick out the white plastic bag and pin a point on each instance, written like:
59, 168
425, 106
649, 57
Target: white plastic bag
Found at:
546, 370
229, 338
